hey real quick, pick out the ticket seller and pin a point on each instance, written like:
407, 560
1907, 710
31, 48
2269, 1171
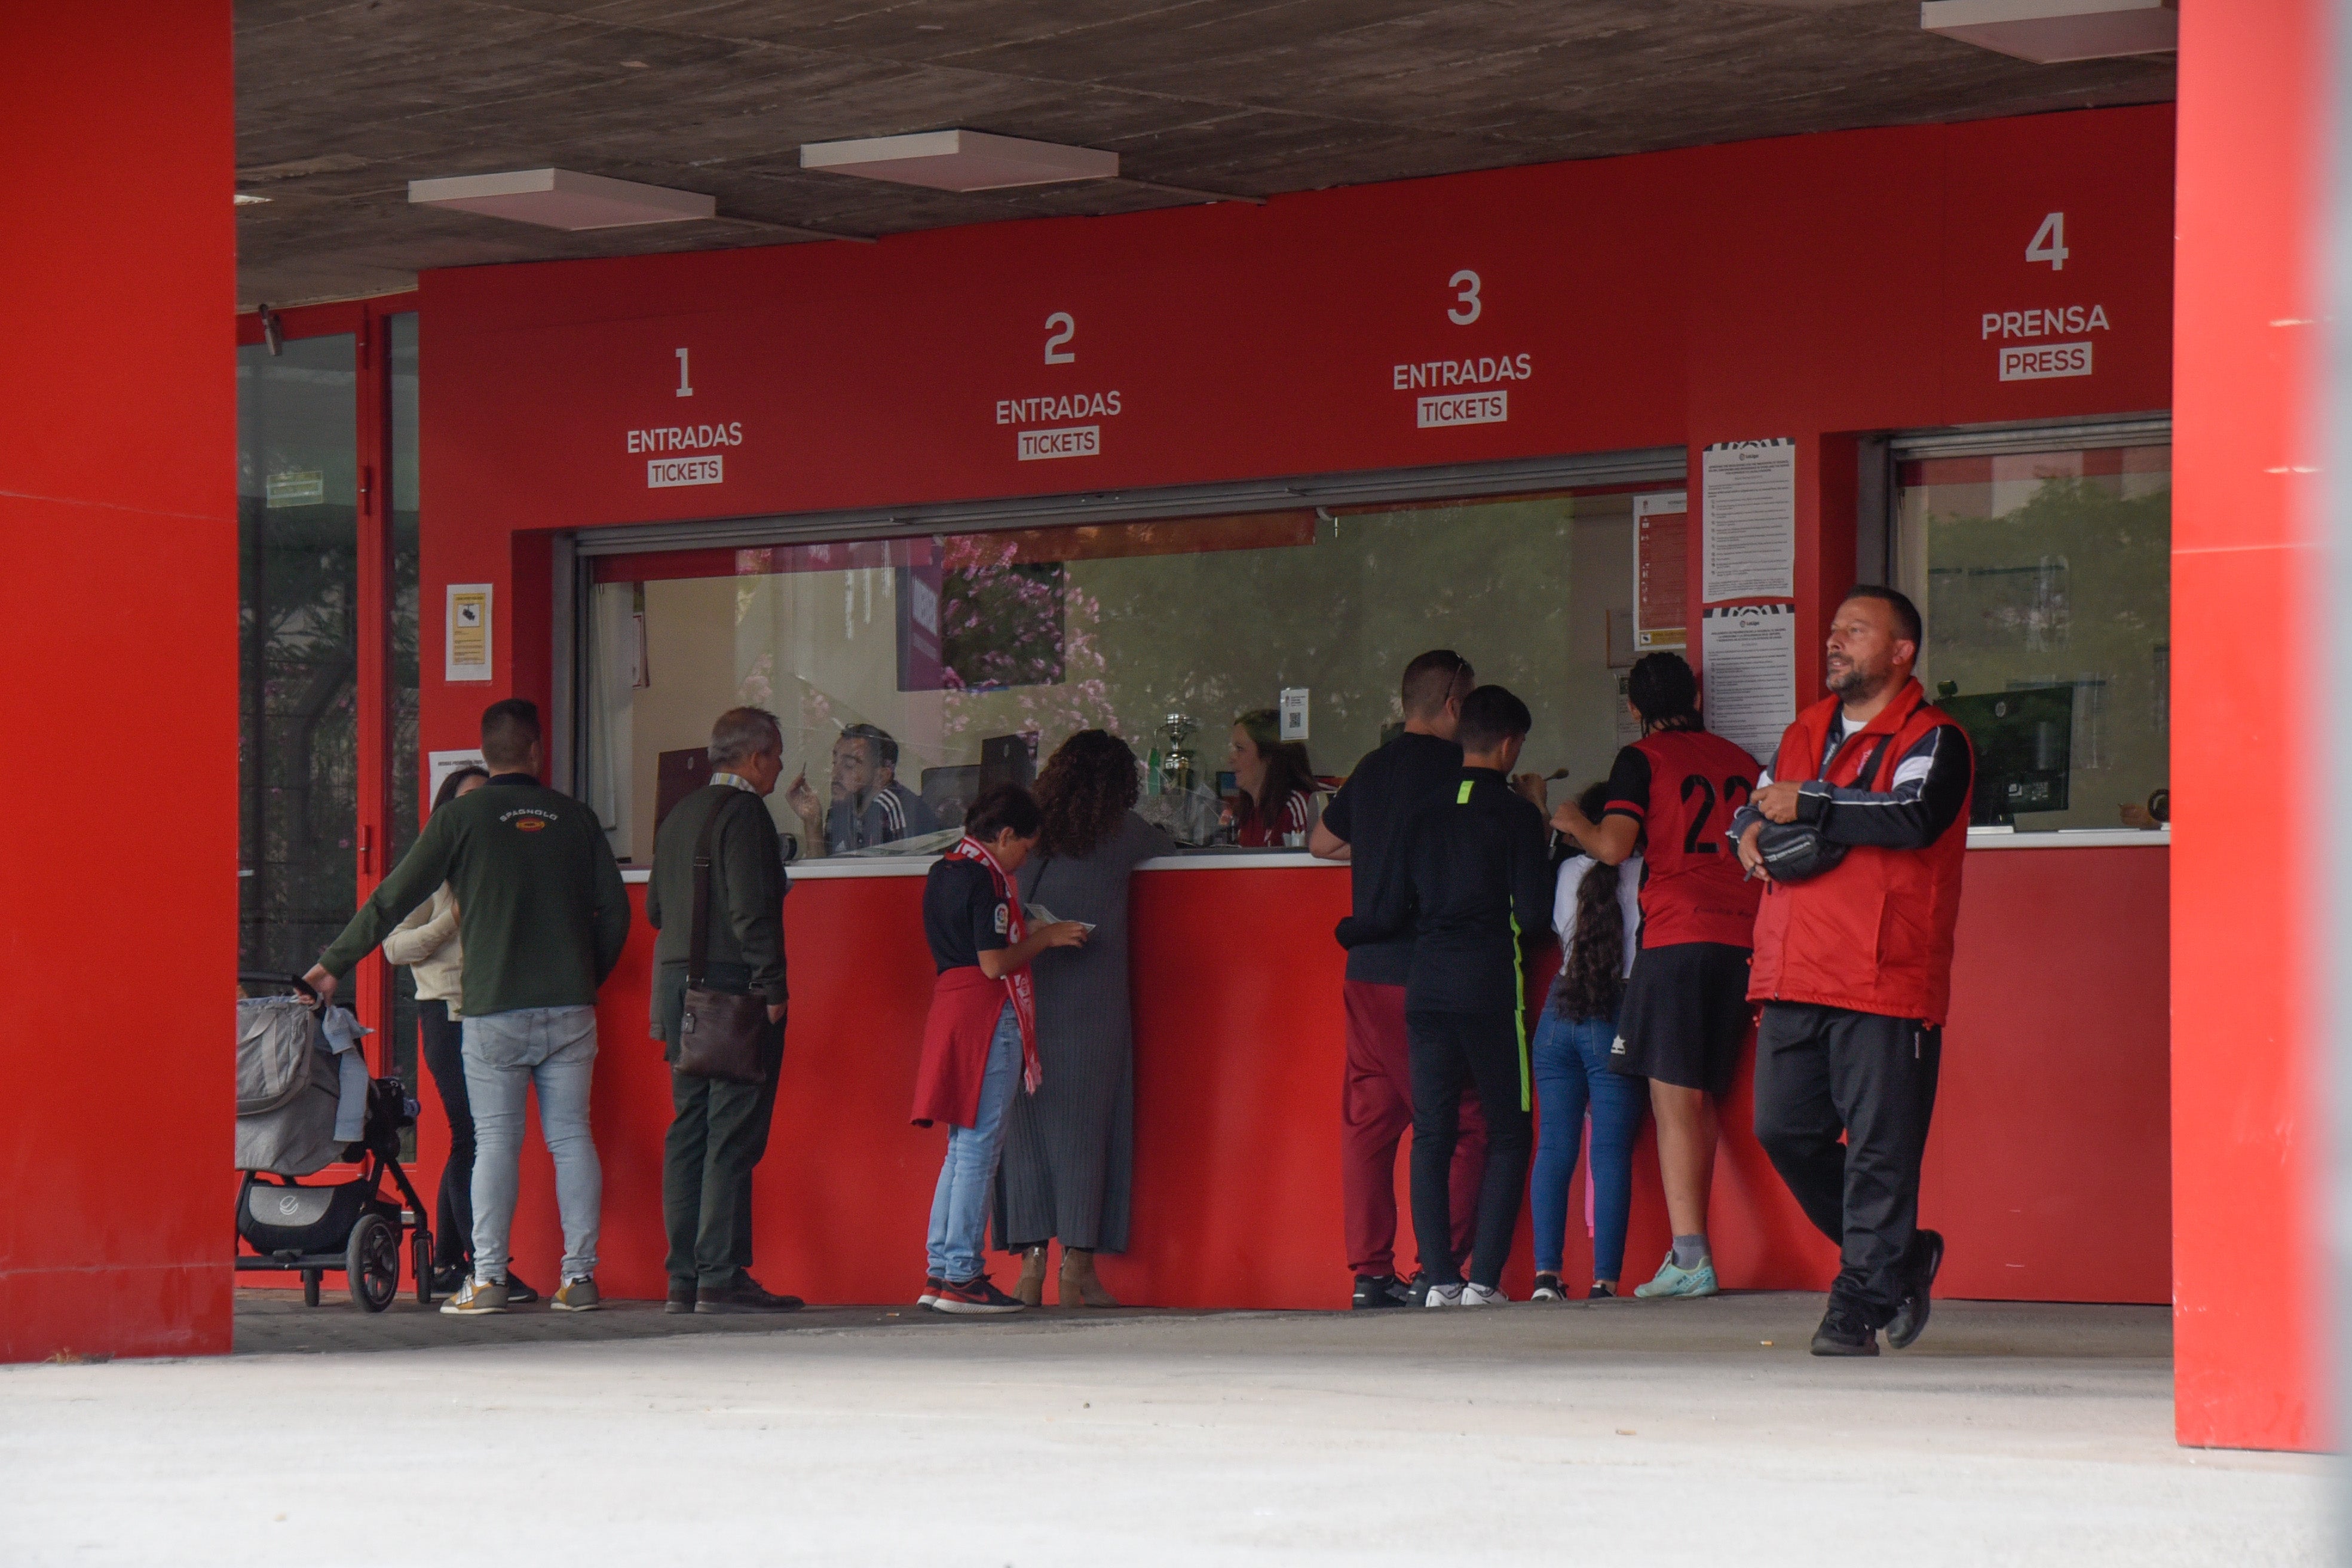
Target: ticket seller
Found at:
869, 805
1277, 786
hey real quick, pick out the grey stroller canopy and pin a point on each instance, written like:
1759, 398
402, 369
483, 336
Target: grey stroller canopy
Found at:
301, 1085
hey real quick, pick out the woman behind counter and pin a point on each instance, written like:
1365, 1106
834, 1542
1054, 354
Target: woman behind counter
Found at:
1070, 1152
1277, 786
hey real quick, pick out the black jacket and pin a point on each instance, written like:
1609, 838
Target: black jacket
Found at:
746, 922
1473, 888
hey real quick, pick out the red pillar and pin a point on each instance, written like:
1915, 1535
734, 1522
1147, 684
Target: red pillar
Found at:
2249, 724
118, 709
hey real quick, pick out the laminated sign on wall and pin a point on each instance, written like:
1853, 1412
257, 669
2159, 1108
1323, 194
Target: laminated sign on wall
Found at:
1751, 670
1752, 519
467, 627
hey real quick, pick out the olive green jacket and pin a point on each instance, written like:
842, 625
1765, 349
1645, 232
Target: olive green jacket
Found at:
746, 925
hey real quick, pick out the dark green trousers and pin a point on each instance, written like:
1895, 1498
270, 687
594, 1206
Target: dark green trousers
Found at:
717, 1133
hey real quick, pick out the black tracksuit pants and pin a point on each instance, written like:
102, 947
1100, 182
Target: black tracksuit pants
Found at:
452, 1210
1449, 1050
1820, 1071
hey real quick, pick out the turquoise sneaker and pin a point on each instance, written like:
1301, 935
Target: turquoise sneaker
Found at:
1673, 1281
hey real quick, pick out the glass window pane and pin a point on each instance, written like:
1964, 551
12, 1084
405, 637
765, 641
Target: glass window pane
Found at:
299, 587
2047, 581
974, 654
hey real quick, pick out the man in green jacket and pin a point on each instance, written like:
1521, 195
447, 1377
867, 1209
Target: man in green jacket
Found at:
542, 917
719, 1130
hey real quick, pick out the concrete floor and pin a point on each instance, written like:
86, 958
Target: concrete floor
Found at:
1672, 1433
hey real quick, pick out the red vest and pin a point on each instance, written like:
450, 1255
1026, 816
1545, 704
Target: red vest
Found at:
1875, 933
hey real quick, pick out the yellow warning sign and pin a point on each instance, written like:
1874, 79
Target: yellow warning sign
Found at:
468, 624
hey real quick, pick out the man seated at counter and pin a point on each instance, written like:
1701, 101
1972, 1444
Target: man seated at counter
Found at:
870, 806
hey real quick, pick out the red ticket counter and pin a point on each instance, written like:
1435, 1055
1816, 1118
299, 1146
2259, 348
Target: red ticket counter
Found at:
2048, 1171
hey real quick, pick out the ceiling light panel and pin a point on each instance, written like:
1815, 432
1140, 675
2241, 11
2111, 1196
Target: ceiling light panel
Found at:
2049, 31
960, 160
560, 198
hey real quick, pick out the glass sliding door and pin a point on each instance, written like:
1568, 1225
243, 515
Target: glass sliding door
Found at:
297, 485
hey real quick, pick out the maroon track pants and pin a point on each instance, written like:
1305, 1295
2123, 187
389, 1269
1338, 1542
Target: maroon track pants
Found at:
1375, 1110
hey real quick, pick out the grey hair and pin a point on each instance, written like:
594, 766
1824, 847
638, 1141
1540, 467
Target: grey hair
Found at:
742, 734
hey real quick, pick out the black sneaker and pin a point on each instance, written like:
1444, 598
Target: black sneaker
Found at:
1547, 1289
1843, 1334
746, 1295
518, 1293
1417, 1293
1374, 1291
447, 1276
681, 1297
1919, 1277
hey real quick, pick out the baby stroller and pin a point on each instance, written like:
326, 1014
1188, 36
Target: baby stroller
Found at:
304, 1101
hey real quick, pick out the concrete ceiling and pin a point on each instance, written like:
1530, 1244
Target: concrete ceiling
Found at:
340, 104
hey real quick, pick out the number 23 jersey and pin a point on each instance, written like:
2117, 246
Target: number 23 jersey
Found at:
1682, 786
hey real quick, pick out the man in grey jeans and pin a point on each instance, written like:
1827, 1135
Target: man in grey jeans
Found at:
543, 916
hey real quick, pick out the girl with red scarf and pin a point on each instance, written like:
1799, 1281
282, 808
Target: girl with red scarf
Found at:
982, 1034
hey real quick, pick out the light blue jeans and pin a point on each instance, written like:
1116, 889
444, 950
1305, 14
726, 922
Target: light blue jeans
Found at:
1573, 1076
553, 1049
968, 1174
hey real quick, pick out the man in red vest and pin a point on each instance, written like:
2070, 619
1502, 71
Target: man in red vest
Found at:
1853, 965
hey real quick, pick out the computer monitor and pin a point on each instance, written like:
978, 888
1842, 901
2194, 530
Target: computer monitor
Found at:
2024, 742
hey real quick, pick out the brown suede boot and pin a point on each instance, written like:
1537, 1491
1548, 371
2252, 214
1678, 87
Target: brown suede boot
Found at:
1030, 1290
1079, 1285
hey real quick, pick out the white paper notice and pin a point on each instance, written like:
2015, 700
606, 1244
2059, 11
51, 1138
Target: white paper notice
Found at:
1750, 653
442, 763
1751, 513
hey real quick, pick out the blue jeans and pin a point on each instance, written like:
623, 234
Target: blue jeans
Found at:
968, 1176
1571, 1059
507, 1055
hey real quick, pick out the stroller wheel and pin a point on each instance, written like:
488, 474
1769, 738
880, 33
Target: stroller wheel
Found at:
372, 1262
311, 1287
420, 1259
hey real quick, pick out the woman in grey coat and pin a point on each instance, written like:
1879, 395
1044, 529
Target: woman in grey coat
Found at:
1069, 1149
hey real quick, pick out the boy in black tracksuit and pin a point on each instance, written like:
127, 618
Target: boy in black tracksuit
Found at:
1475, 889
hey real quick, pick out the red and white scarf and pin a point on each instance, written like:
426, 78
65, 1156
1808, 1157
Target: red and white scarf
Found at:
1018, 984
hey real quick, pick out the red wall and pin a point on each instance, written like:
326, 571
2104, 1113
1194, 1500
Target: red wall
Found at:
117, 442
1809, 288
2248, 1092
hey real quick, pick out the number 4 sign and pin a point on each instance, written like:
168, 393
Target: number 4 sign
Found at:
2050, 243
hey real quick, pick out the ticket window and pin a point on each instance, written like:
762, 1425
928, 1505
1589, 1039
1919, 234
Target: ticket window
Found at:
2045, 582
977, 654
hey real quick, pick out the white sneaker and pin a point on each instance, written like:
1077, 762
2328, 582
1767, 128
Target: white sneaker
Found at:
1484, 1296
1444, 1296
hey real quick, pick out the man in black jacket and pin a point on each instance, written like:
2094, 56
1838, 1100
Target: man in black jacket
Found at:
719, 1129
1475, 892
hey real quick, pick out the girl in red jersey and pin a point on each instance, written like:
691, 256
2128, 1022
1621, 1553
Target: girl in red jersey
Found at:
1686, 1010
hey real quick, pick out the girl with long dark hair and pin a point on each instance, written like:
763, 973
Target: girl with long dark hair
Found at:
1275, 784
1597, 911
1070, 1148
